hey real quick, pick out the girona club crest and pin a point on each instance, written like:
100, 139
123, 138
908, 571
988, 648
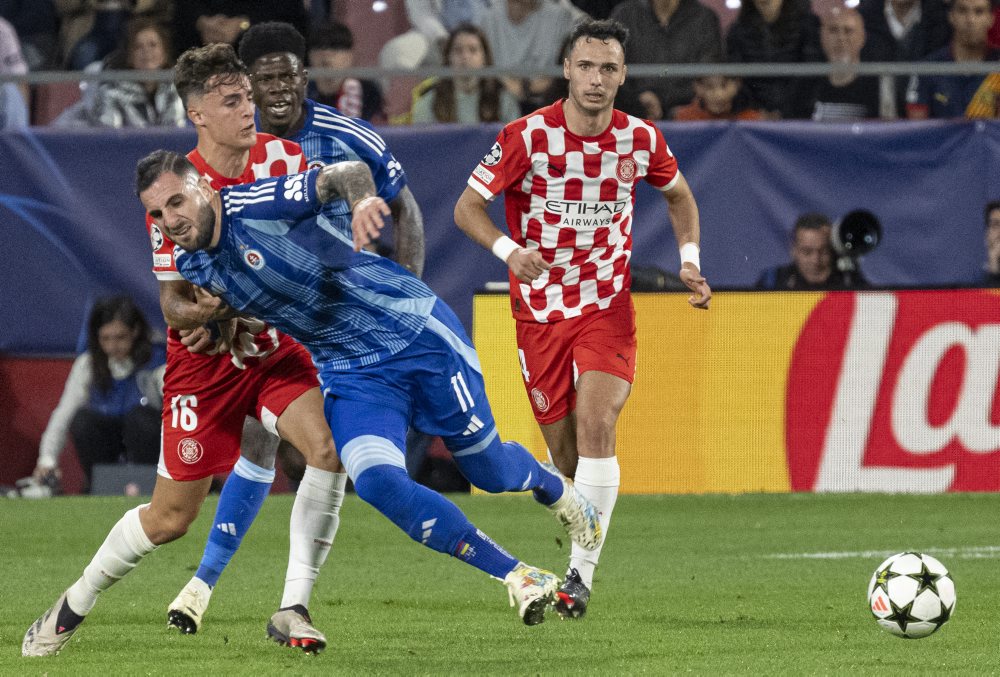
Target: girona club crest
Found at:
626, 169
540, 399
190, 450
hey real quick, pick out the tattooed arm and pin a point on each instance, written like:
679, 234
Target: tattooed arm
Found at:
353, 182
409, 234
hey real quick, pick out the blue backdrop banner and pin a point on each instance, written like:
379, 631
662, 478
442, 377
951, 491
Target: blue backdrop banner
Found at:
73, 228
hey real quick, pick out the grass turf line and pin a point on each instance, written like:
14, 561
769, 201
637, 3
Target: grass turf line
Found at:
687, 584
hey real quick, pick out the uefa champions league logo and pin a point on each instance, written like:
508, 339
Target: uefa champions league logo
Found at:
493, 157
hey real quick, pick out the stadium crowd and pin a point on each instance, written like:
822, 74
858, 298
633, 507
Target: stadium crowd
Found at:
90, 35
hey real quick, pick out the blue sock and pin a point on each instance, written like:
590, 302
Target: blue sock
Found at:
242, 495
507, 466
430, 518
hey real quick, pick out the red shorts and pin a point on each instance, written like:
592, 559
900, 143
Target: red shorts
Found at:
206, 399
554, 354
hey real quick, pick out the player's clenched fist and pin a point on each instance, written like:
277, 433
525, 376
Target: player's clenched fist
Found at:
527, 264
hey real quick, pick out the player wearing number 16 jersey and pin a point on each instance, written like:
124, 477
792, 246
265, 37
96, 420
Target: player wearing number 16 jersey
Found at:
568, 174
207, 397
389, 352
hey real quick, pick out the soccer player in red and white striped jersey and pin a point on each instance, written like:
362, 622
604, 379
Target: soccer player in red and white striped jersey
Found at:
568, 174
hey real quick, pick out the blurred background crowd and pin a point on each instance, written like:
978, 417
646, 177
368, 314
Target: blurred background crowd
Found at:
519, 35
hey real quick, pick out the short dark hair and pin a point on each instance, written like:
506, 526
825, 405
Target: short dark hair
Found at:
332, 35
158, 163
271, 37
604, 29
812, 221
990, 208
198, 65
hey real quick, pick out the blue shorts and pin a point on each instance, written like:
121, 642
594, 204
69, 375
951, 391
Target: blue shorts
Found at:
436, 383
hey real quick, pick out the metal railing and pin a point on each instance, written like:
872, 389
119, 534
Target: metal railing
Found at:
679, 70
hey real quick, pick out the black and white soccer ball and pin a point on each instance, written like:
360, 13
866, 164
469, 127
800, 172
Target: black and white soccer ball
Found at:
911, 595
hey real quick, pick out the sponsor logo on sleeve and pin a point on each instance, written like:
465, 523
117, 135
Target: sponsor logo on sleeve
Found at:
483, 174
161, 260
295, 187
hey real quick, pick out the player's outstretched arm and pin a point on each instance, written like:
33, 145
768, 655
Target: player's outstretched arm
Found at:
409, 236
353, 182
472, 218
687, 229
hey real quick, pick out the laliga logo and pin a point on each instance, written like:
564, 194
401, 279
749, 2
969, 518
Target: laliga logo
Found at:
896, 392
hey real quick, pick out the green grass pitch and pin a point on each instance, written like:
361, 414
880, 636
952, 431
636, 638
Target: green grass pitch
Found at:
760, 584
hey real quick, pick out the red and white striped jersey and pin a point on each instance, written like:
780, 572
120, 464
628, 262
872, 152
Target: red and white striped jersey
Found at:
571, 198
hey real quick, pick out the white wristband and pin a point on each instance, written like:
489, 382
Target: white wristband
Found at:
504, 247
689, 254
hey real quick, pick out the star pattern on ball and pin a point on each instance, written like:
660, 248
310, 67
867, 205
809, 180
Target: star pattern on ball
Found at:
884, 576
901, 615
926, 578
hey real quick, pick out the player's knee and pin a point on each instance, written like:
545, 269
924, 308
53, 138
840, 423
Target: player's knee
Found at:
293, 463
166, 525
321, 453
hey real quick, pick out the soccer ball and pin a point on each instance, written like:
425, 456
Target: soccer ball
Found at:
911, 595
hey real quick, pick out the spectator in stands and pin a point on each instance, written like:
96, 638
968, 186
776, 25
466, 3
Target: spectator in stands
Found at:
842, 95
901, 30
717, 97
526, 33
98, 26
110, 406
203, 22
431, 21
11, 58
773, 31
991, 218
466, 99
667, 31
13, 109
331, 46
138, 103
813, 265
37, 28
948, 96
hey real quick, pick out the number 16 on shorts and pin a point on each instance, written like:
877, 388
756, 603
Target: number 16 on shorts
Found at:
182, 412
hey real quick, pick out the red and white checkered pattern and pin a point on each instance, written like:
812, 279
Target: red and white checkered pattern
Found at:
571, 198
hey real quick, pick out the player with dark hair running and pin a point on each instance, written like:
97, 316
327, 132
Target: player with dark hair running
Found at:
389, 352
207, 396
568, 174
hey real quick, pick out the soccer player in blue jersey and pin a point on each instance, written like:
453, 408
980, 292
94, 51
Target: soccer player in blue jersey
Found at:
326, 136
389, 352
275, 53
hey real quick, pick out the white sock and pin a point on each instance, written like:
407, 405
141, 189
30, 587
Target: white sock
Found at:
121, 551
315, 518
598, 480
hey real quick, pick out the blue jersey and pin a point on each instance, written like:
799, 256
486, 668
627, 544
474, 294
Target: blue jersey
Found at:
328, 136
283, 259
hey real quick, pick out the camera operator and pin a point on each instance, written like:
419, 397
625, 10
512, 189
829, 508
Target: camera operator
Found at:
814, 263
